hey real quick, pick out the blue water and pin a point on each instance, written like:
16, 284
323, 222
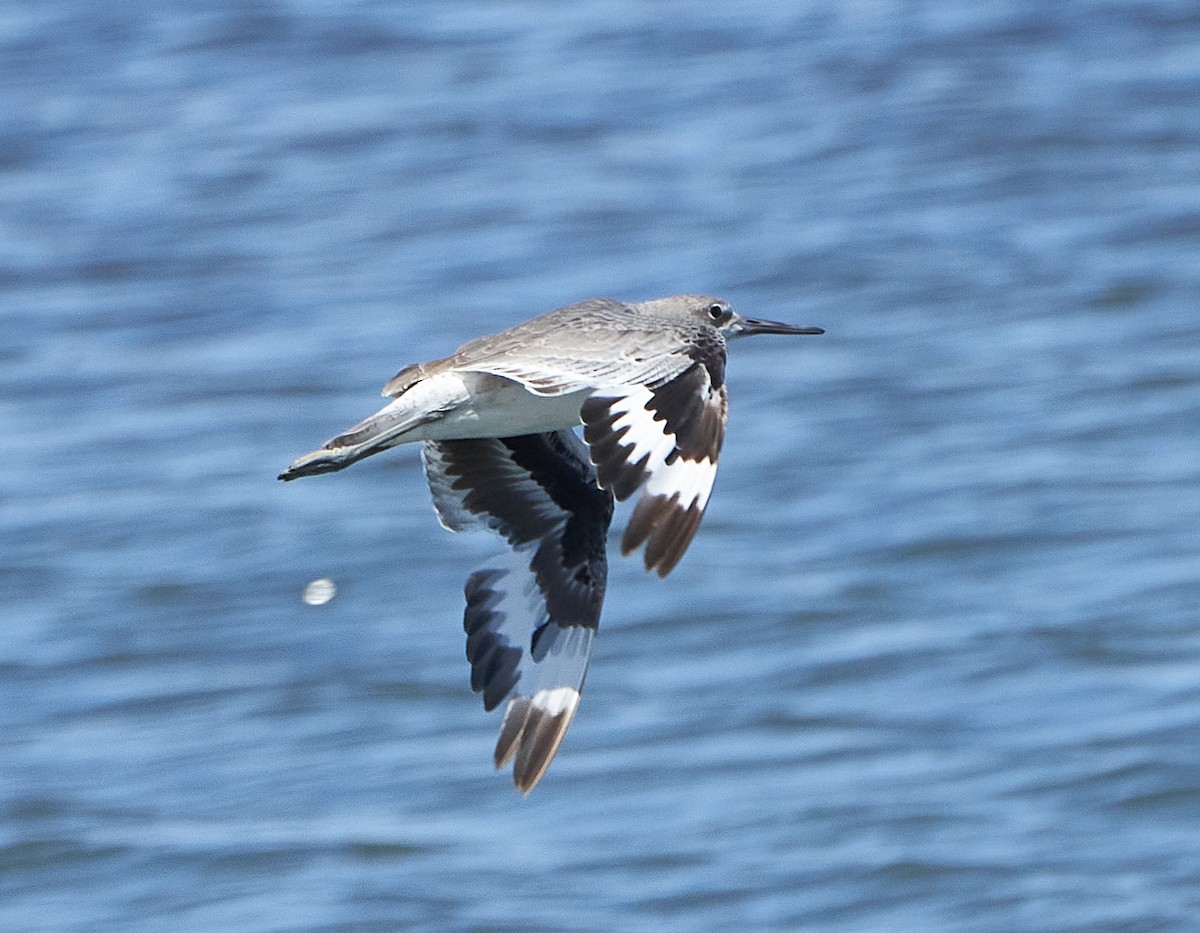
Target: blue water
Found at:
933, 661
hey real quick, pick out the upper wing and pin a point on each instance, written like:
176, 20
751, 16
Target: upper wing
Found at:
665, 438
532, 613
565, 351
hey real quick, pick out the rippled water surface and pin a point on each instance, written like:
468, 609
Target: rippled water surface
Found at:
933, 662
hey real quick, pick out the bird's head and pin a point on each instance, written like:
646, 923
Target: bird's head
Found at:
716, 312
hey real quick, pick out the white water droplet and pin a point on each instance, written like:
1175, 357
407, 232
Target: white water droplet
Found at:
319, 592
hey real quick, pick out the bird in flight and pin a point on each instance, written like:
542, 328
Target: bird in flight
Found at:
646, 380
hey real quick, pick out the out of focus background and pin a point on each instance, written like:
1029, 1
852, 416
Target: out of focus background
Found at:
933, 661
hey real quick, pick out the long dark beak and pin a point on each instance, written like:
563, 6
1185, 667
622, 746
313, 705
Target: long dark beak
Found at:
748, 326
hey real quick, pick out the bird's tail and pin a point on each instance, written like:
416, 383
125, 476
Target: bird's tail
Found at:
386, 428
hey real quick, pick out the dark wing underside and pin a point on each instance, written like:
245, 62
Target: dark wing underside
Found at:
532, 613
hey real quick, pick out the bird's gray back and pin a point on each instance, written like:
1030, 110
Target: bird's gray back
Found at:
597, 328
597, 341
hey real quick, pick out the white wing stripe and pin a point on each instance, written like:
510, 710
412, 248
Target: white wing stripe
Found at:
648, 436
557, 700
691, 480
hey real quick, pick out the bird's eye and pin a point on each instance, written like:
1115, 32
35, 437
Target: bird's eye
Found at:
716, 311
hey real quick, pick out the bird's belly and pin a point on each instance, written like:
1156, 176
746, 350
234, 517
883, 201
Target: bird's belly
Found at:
499, 407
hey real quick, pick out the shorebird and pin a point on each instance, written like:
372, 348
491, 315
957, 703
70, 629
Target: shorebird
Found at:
646, 380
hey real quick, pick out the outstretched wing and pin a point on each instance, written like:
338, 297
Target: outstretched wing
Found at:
532, 613
664, 439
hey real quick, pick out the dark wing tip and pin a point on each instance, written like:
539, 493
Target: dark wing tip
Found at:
666, 528
532, 730
510, 730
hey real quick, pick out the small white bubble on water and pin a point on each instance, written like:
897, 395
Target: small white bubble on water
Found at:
319, 592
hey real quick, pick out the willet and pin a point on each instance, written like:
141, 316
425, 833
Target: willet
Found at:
646, 380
